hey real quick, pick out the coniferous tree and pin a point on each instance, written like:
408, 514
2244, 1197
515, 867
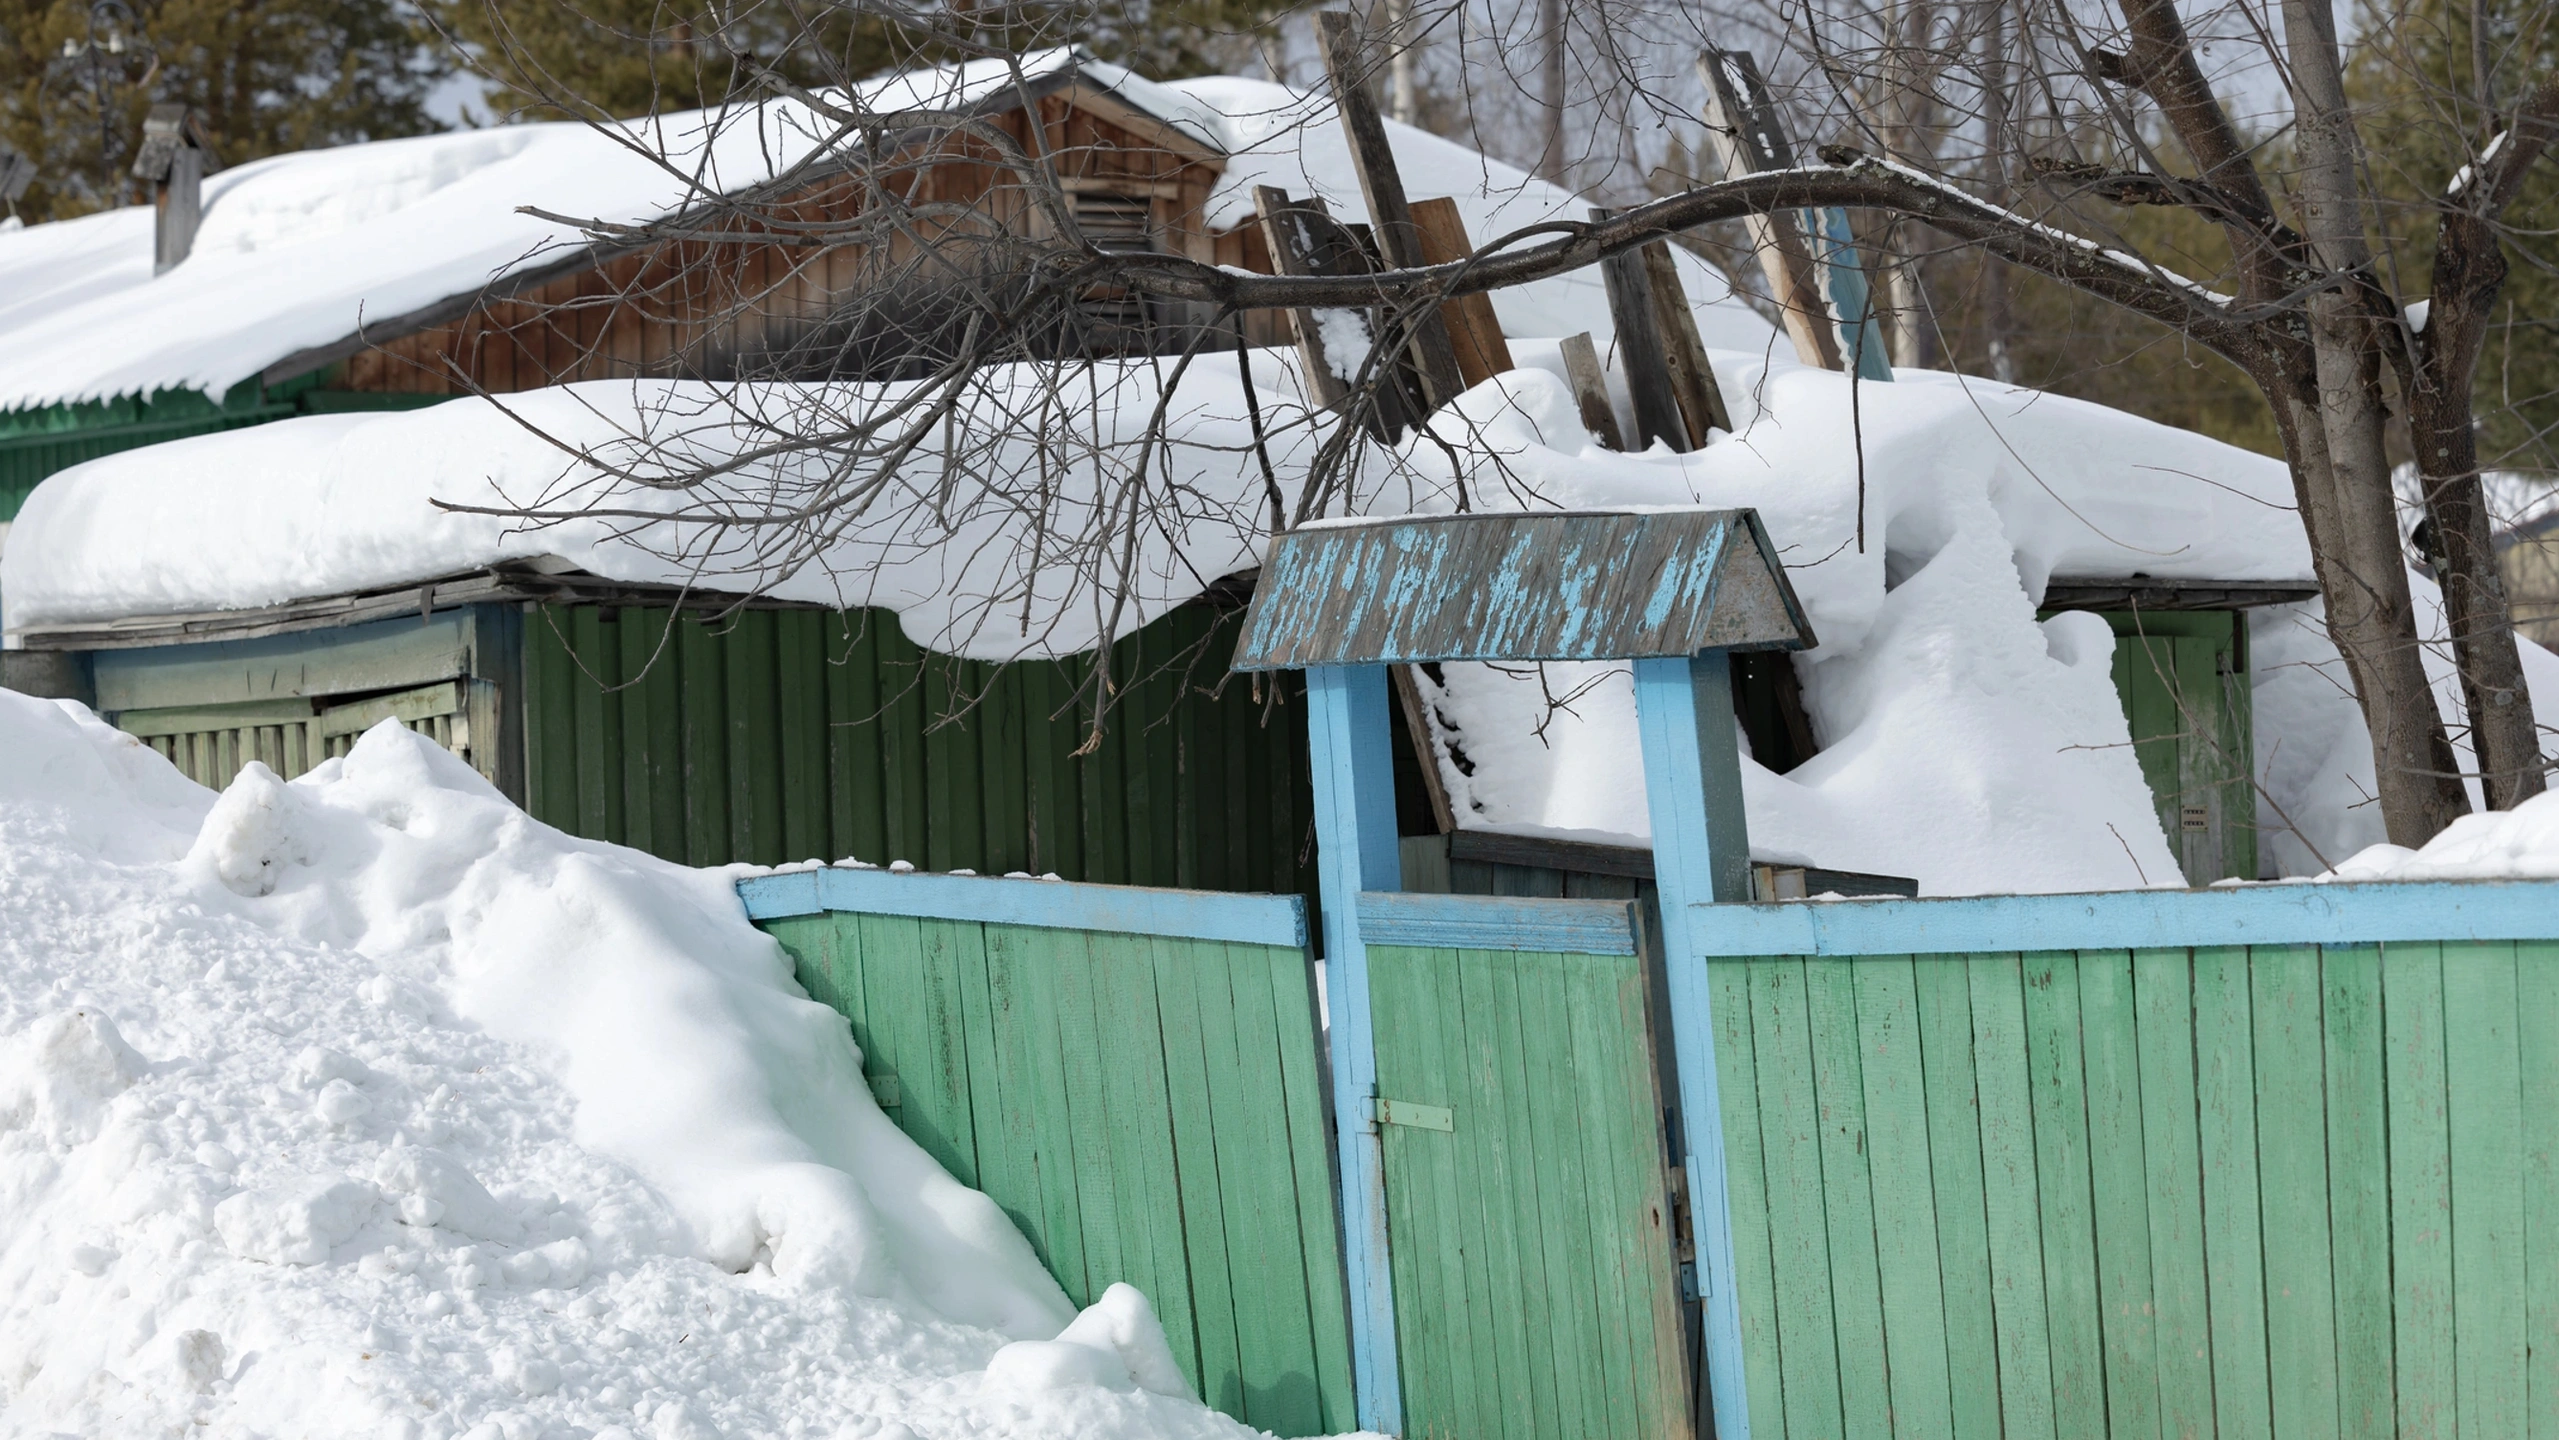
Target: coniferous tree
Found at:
268, 76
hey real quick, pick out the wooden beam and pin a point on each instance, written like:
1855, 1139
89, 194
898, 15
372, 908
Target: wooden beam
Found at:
1639, 348
1743, 137
1692, 377
1293, 252
1590, 391
1473, 328
1417, 727
1434, 355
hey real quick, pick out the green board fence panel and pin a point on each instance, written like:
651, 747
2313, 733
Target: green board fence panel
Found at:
1531, 1229
1146, 1107
777, 736
2273, 1191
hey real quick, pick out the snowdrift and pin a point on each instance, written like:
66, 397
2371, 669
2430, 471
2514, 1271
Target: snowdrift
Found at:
367, 1105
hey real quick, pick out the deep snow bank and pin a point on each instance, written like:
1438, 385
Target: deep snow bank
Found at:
366, 1105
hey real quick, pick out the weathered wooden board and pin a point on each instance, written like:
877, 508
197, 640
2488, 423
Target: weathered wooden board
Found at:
1554, 586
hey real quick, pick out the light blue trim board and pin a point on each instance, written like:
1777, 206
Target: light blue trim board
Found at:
1050, 904
1851, 293
1701, 853
2134, 919
1498, 922
1355, 853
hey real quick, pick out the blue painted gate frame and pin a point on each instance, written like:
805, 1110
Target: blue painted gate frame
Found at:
1692, 775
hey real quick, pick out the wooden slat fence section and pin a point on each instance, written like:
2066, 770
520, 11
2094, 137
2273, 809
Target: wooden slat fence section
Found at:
1533, 1252
2280, 1191
778, 736
1146, 1108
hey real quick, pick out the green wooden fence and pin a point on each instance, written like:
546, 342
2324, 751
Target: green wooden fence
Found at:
2283, 1191
784, 735
1147, 1108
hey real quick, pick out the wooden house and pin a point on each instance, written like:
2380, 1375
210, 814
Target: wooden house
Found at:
775, 732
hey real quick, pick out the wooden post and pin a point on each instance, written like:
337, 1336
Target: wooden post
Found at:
1692, 377
1639, 348
1417, 728
1353, 769
1473, 328
1743, 134
1590, 391
1383, 186
1701, 854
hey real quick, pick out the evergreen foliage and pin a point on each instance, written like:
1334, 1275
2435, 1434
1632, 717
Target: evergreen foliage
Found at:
267, 75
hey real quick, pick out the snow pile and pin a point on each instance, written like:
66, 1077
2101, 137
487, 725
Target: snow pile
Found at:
2517, 844
1964, 744
366, 1105
1293, 140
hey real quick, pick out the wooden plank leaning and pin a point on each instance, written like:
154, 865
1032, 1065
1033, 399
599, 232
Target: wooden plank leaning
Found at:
1473, 329
1383, 186
1743, 136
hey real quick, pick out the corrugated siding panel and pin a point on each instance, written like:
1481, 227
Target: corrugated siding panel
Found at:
779, 736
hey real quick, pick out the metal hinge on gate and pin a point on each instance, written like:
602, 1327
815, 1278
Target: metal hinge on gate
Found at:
884, 1090
1411, 1113
1688, 1287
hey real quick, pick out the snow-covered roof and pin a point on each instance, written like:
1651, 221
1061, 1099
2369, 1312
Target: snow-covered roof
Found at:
303, 250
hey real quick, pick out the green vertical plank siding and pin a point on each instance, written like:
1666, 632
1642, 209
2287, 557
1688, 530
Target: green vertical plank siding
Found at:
1746, 1192
2163, 994
2358, 1187
1904, 1182
2119, 1174
1533, 1266
1145, 1109
2234, 1245
2537, 1030
2420, 1190
772, 736
2058, 1095
1847, 1193
2483, 1090
2292, 1150
1961, 1223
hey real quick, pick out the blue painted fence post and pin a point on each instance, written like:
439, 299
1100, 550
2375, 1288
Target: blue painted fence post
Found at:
1851, 293
1355, 850
1701, 852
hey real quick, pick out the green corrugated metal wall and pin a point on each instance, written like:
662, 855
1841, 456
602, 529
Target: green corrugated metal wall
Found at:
780, 735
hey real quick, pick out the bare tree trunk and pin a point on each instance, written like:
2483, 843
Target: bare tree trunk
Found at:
2469, 270
2370, 614
1403, 100
1997, 323
1550, 161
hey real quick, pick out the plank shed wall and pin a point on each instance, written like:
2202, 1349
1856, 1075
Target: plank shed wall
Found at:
714, 306
773, 736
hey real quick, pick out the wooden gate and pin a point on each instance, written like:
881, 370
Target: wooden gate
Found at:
1528, 1196
1133, 1075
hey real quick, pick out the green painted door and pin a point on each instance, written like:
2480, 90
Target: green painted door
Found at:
2184, 683
1528, 1203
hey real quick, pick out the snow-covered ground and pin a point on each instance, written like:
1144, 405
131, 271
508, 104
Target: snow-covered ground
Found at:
366, 1106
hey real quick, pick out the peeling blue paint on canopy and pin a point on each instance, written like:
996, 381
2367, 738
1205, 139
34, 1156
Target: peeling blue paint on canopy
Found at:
1559, 585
